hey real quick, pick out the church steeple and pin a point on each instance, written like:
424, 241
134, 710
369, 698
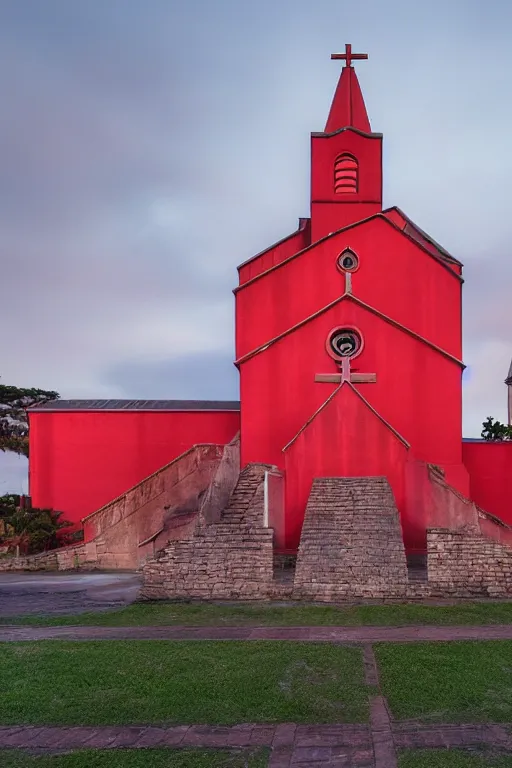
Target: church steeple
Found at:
348, 108
346, 159
508, 382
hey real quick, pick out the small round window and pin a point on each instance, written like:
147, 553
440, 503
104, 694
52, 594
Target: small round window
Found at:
348, 261
344, 342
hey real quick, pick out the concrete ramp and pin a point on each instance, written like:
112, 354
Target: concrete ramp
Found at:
351, 544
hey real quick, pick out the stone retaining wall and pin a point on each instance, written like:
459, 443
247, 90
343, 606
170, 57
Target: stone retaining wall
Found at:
464, 564
232, 559
220, 562
81, 556
351, 544
351, 547
163, 506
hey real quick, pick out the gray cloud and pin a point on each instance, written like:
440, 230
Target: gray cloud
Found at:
13, 474
209, 376
147, 148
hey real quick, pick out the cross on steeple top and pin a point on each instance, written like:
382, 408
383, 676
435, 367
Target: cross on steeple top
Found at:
348, 57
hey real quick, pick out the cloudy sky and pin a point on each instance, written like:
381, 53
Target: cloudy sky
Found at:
147, 147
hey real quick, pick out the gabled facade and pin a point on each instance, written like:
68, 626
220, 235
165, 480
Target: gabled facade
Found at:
361, 287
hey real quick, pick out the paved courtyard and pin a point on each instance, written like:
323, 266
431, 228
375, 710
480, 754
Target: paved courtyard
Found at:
58, 593
373, 745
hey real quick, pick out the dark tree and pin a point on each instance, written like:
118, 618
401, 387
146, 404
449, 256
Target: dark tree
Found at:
13, 415
494, 430
25, 531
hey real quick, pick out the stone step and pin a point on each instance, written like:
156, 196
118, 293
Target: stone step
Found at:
351, 543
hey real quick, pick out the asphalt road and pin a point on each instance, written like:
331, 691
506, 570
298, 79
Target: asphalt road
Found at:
61, 593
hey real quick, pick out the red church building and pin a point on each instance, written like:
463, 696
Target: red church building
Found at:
349, 349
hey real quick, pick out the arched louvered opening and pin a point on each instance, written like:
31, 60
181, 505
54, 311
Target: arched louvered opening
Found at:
345, 174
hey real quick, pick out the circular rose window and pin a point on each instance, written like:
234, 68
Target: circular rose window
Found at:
348, 261
344, 342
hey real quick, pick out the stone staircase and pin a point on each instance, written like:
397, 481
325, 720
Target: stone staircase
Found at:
229, 559
351, 544
245, 507
351, 550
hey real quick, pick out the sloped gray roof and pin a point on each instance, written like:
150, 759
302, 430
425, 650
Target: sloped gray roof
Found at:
412, 229
138, 405
508, 380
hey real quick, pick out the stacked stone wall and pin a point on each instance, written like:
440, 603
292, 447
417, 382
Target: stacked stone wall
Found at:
231, 559
81, 556
351, 544
351, 549
219, 562
44, 561
465, 564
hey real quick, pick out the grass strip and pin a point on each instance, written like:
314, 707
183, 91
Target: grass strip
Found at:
138, 758
131, 682
263, 614
453, 758
452, 682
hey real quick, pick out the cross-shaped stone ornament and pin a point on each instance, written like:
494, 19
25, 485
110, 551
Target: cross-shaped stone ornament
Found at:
346, 375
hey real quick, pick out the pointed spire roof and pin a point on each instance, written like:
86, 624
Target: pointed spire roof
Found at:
348, 107
508, 380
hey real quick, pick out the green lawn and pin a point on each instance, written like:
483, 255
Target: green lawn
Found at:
243, 614
448, 682
437, 758
136, 682
138, 758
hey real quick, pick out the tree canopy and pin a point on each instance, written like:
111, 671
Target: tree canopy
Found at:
25, 531
13, 415
495, 430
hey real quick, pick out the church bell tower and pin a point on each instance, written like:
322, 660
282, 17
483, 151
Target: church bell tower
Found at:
508, 382
346, 159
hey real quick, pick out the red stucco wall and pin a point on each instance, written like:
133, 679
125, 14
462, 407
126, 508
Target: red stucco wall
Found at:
345, 439
80, 461
490, 470
431, 502
279, 393
416, 390
395, 276
276, 253
330, 211
414, 381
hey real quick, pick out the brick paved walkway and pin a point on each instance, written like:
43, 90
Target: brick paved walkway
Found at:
350, 746
300, 746
409, 634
